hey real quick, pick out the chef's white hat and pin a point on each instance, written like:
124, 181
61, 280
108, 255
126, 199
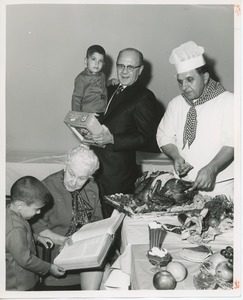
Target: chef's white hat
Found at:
187, 56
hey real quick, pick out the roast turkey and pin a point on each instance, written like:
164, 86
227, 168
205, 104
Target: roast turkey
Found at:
172, 192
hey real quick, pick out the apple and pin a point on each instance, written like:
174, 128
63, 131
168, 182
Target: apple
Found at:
215, 259
164, 280
224, 271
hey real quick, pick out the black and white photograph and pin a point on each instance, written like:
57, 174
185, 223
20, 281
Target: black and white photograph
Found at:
120, 149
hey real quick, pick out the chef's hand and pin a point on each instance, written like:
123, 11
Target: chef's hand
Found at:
182, 167
205, 179
105, 137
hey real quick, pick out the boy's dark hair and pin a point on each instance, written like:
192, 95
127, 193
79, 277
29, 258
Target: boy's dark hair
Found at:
95, 48
30, 190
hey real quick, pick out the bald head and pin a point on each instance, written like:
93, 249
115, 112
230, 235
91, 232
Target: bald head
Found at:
133, 52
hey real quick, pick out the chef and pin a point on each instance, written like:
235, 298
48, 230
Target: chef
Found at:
197, 129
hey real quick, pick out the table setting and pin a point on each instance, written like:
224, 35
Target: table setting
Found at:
174, 238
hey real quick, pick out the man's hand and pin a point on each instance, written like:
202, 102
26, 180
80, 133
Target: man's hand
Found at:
180, 165
47, 242
205, 179
182, 168
105, 137
56, 270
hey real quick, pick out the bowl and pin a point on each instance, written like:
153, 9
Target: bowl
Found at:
159, 261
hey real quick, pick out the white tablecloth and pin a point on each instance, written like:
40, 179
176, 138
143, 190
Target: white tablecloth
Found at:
135, 232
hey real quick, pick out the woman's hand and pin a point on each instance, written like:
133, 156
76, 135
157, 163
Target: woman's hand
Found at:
47, 242
55, 238
67, 241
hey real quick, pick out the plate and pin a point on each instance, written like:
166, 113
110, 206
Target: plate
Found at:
196, 254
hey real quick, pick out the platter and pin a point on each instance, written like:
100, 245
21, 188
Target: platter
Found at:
127, 203
163, 194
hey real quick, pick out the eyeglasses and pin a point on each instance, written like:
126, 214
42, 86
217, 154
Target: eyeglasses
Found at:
122, 67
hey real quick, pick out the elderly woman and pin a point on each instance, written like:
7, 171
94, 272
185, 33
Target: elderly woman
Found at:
75, 203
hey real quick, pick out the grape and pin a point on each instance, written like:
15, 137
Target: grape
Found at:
228, 248
228, 253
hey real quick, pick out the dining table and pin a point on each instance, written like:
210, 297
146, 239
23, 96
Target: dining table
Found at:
132, 269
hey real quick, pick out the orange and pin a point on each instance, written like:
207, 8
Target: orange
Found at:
177, 269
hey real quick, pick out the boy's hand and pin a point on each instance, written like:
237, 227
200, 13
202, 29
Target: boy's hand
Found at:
112, 81
56, 270
47, 242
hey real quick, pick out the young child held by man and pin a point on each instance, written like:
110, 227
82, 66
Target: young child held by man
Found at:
90, 93
23, 267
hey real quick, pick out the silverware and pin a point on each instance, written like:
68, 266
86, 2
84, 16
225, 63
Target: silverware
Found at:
224, 180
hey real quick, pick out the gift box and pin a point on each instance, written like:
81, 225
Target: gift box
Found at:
84, 125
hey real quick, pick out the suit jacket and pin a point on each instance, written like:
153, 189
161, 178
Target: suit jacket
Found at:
133, 119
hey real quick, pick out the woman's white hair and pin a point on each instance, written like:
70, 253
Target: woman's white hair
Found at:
85, 157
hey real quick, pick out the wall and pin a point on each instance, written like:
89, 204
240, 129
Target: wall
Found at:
46, 45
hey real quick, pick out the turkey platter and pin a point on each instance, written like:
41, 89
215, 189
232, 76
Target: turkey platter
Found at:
158, 192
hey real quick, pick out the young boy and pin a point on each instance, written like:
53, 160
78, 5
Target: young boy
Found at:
23, 267
90, 94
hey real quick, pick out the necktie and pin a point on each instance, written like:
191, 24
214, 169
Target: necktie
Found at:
119, 89
212, 90
114, 97
190, 126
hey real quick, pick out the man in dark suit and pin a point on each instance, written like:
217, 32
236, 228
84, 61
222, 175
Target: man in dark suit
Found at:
130, 124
